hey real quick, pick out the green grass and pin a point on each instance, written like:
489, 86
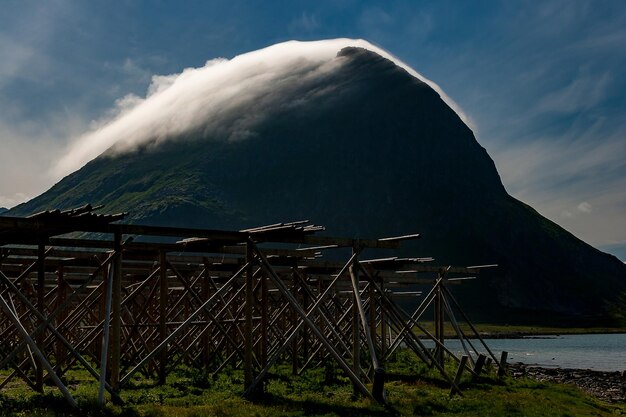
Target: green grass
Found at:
505, 330
413, 389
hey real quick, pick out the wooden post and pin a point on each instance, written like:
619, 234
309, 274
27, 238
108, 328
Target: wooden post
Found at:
439, 319
235, 311
116, 313
102, 305
372, 317
436, 323
41, 306
322, 324
459, 373
106, 331
294, 318
480, 362
383, 326
502, 364
206, 292
356, 333
305, 331
163, 290
378, 375
264, 319
61, 292
248, 345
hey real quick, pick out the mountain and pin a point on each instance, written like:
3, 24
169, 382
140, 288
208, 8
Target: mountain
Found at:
367, 150
3, 210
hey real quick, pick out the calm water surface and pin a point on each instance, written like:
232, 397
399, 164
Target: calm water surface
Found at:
601, 352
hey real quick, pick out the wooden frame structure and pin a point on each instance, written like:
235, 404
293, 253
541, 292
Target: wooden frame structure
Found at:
144, 299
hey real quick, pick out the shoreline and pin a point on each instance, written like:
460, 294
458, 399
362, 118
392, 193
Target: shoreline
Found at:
537, 334
565, 332
524, 335
607, 386
517, 331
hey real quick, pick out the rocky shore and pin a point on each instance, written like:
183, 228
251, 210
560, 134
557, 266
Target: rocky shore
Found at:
608, 386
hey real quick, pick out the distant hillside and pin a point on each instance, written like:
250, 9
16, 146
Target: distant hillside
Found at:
378, 154
3, 210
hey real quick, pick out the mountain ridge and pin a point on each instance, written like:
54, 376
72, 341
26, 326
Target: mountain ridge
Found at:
370, 151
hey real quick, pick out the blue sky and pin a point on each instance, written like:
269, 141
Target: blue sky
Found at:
543, 82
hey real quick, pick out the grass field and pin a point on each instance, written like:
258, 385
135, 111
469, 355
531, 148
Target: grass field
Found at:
500, 330
412, 390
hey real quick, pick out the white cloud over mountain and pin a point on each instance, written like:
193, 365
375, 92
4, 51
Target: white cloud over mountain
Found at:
227, 96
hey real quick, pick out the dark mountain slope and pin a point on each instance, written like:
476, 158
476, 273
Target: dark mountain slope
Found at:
371, 151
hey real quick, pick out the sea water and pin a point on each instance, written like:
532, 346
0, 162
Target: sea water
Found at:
601, 352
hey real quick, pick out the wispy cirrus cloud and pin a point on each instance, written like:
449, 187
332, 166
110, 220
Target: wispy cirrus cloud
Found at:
585, 207
579, 183
584, 92
305, 23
